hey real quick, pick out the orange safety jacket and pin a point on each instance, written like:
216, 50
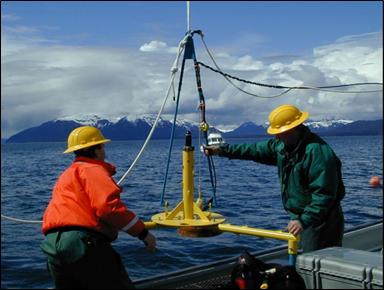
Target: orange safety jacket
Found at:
86, 195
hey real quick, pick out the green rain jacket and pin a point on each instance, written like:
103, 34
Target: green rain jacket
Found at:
310, 175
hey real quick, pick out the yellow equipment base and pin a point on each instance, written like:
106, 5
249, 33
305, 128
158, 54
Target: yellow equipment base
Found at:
179, 221
202, 223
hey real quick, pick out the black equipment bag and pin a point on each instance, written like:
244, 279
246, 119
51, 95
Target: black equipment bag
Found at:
252, 273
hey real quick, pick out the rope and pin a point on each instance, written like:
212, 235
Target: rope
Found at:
211, 166
199, 163
295, 87
234, 85
21, 220
174, 69
322, 88
173, 131
188, 17
189, 53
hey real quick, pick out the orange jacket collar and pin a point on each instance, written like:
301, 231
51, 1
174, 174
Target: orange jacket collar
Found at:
108, 166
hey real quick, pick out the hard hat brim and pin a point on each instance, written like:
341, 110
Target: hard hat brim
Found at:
82, 146
282, 129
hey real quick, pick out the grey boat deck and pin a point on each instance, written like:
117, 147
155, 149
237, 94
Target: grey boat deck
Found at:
217, 274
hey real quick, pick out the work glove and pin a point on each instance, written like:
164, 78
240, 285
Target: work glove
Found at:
211, 150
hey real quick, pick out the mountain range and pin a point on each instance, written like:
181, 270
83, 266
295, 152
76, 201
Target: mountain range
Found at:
124, 128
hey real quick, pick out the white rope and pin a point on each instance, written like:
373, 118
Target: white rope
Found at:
174, 69
188, 17
21, 220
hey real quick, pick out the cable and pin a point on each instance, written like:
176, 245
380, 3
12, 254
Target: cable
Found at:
173, 131
174, 69
322, 88
173, 74
227, 78
211, 167
188, 17
21, 220
199, 162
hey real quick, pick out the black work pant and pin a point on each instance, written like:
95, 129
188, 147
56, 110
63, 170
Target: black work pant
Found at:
82, 259
327, 234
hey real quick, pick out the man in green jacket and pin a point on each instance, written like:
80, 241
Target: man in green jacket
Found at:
309, 173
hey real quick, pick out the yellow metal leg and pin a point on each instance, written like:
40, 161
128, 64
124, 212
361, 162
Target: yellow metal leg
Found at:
188, 186
187, 215
193, 222
279, 235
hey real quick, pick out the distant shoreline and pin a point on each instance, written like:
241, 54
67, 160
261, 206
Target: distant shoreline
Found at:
56, 131
4, 141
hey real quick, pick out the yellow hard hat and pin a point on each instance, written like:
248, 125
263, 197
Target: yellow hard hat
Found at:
83, 137
284, 118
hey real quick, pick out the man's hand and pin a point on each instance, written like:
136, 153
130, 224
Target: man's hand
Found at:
211, 149
150, 242
295, 227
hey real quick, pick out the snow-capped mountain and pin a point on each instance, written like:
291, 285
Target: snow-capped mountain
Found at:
91, 119
136, 128
327, 123
100, 120
113, 127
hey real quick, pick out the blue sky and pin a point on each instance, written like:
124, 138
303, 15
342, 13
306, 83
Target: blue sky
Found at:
107, 57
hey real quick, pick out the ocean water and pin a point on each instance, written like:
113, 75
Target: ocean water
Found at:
248, 193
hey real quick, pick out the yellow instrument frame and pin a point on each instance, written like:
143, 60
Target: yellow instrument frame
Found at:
189, 218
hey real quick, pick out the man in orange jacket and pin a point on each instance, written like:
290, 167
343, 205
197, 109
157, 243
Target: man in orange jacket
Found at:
84, 217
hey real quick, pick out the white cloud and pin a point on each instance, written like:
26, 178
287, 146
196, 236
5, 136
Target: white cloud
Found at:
22, 29
42, 80
9, 17
247, 63
352, 59
153, 46
157, 46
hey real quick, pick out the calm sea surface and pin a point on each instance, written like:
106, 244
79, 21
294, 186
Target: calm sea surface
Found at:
247, 194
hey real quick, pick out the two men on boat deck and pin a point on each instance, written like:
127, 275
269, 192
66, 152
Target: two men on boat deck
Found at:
84, 217
309, 172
